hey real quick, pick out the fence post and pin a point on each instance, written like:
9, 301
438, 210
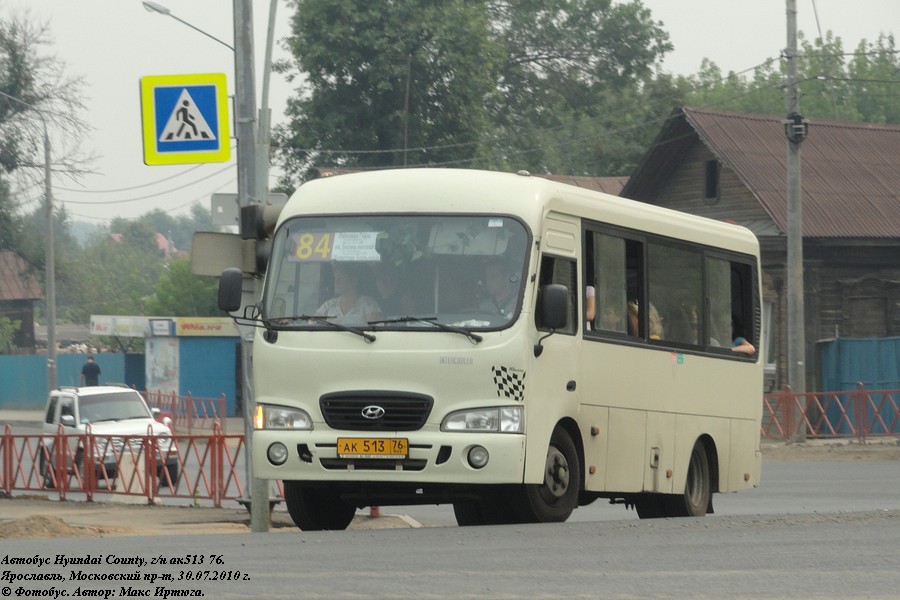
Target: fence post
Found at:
859, 409
189, 401
88, 463
216, 459
150, 453
61, 462
787, 413
223, 409
7, 451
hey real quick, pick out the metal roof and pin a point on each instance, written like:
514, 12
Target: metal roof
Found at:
16, 283
850, 172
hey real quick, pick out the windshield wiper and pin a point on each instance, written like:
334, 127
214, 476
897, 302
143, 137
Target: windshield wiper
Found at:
431, 321
323, 320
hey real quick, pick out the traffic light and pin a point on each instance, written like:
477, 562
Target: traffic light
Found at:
257, 223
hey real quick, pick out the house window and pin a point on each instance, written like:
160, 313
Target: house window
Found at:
711, 182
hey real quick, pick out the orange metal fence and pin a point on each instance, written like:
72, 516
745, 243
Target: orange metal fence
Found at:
187, 412
859, 414
208, 466
195, 467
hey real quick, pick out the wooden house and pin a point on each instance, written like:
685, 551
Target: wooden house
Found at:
18, 291
732, 166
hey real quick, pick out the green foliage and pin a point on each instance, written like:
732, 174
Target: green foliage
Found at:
8, 330
834, 84
561, 86
181, 293
386, 77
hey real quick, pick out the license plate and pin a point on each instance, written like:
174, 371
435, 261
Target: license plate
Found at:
372, 447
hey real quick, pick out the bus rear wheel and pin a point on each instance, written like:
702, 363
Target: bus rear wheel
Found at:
316, 509
555, 498
697, 488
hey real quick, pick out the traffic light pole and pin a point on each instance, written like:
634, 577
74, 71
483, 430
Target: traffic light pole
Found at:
249, 186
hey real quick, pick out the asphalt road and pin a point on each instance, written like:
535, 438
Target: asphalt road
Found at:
852, 555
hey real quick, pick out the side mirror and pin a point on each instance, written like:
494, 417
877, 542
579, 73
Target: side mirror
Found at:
231, 284
554, 306
67, 420
554, 311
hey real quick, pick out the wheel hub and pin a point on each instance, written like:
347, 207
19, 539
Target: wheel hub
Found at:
556, 476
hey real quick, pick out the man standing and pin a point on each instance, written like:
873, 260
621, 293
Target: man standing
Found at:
90, 372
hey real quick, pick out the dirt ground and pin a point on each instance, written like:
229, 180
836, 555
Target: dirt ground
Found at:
33, 516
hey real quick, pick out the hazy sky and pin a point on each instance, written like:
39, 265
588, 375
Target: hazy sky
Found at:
113, 43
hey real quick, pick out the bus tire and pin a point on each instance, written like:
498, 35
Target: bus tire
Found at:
468, 513
316, 509
697, 488
553, 500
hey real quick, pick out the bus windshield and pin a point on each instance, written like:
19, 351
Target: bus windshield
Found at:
427, 272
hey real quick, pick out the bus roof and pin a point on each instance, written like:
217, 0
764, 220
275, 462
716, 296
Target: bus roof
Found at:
464, 191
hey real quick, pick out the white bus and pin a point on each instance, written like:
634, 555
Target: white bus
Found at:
424, 337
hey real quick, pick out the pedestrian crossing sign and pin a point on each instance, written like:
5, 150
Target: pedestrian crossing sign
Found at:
185, 119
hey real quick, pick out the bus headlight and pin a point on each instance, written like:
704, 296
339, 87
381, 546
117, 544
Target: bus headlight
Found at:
280, 417
502, 419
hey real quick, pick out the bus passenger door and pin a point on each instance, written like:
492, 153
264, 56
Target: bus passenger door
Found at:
554, 386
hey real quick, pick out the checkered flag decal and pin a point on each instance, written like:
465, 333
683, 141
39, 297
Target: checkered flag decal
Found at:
510, 383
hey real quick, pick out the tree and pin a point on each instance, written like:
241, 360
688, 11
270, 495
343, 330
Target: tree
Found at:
834, 84
8, 330
35, 93
113, 276
181, 293
498, 84
389, 83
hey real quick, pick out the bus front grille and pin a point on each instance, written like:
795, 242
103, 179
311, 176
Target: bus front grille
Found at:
375, 411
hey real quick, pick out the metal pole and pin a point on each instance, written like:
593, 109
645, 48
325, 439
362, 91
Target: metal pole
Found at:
50, 264
795, 130
246, 127
50, 267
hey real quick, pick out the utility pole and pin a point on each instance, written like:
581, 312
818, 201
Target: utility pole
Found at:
795, 128
50, 261
249, 186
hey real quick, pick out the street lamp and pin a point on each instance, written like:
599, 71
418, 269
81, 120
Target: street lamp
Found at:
252, 132
156, 7
50, 267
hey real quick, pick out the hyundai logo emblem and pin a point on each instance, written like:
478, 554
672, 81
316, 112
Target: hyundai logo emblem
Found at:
373, 411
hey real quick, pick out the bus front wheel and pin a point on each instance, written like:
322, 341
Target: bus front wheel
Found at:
555, 498
316, 509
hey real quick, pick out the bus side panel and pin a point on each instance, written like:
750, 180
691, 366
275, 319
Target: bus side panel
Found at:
746, 459
595, 446
659, 452
626, 450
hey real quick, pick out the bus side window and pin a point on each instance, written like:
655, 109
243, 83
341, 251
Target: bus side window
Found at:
561, 271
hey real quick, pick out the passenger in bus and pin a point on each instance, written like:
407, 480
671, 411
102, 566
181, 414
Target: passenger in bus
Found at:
590, 306
655, 321
349, 306
394, 298
501, 285
740, 343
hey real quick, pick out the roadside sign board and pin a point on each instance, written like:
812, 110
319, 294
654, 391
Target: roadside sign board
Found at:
185, 119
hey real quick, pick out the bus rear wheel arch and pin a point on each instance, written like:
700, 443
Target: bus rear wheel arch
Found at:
694, 501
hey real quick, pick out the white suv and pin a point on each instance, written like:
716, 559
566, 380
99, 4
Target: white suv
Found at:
115, 414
